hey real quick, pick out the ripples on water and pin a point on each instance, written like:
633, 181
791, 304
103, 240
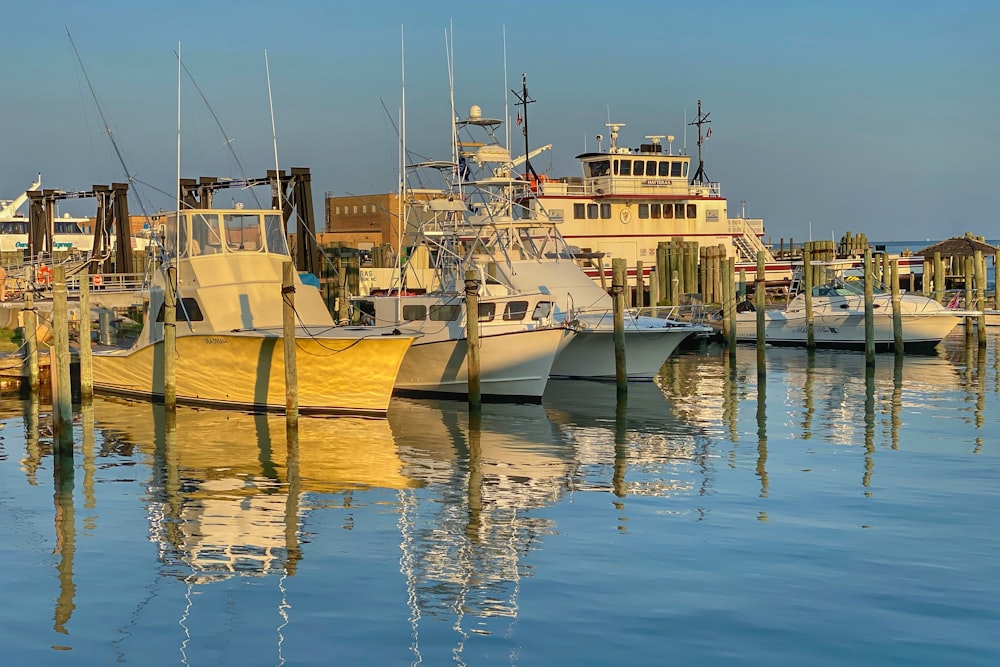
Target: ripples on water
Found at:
835, 514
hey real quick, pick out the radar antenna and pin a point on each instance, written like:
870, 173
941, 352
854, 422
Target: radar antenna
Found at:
701, 176
523, 101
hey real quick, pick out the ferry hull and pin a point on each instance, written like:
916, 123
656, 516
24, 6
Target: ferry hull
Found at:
347, 374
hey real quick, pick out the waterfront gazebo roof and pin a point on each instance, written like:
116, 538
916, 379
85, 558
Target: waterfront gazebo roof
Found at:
959, 246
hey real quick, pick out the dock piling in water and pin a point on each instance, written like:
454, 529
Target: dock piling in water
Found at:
31, 341
288, 344
472, 340
618, 271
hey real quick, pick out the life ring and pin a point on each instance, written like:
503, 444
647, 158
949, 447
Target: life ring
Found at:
97, 280
625, 215
44, 274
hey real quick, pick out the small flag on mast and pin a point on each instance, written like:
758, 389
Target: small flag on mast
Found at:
518, 119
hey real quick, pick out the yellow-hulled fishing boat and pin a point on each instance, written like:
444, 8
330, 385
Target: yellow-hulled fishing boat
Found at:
229, 342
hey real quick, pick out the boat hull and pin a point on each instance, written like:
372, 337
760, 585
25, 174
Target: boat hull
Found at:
512, 366
846, 330
590, 354
347, 373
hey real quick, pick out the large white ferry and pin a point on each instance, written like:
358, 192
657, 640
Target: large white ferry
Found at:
68, 233
628, 200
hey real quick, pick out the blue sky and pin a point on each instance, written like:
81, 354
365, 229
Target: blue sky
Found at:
874, 117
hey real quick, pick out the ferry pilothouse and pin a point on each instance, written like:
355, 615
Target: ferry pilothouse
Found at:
628, 200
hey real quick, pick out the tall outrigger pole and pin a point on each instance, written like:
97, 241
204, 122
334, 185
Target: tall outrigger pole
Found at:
523, 101
701, 176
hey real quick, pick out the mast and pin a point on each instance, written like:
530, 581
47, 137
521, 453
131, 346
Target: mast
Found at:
274, 141
523, 101
701, 176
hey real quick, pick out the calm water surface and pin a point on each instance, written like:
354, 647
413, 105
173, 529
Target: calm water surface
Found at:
828, 516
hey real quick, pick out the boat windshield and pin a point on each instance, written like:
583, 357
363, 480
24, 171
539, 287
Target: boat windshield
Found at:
209, 232
851, 286
274, 234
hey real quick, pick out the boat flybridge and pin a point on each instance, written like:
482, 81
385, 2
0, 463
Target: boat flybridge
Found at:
229, 313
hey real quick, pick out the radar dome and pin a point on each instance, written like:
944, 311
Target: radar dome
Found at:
475, 113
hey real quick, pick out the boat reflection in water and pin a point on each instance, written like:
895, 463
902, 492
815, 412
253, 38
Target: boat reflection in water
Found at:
465, 535
833, 396
227, 485
642, 436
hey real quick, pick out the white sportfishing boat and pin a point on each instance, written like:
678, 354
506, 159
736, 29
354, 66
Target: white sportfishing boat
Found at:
518, 340
838, 308
520, 257
229, 332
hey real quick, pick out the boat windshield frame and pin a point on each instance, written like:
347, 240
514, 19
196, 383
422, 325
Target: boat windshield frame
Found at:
205, 232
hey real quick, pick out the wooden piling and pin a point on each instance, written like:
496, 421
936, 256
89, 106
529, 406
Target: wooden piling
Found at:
288, 344
897, 306
807, 278
62, 389
869, 309
170, 339
618, 271
730, 282
31, 341
640, 285
472, 339
727, 298
980, 269
760, 304
654, 286
86, 346
969, 273
939, 278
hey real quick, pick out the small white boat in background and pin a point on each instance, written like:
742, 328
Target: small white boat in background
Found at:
839, 319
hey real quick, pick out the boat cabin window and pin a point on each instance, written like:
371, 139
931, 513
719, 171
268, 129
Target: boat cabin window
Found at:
187, 311
676, 167
274, 234
414, 312
637, 168
515, 311
542, 310
67, 228
487, 312
599, 168
605, 211
651, 167
664, 168
591, 211
623, 167
668, 211
242, 232
579, 211
654, 211
446, 313
205, 236
692, 211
